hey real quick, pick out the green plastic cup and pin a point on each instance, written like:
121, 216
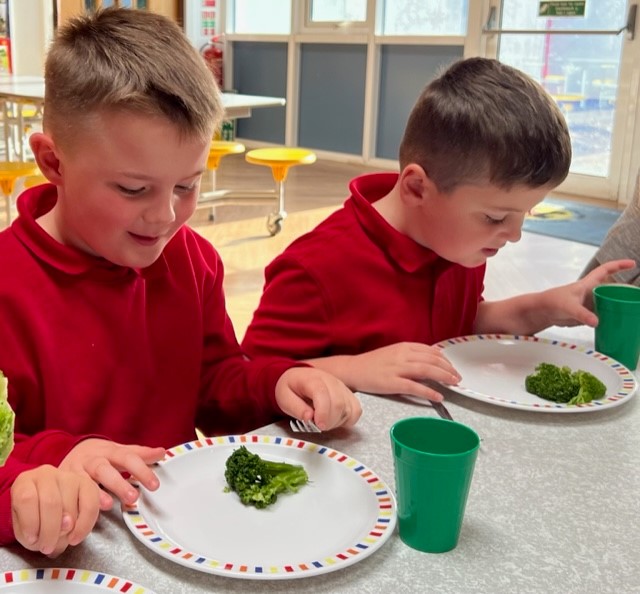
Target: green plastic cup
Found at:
434, 461
617, 334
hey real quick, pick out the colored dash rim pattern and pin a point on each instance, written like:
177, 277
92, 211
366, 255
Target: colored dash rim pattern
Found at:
628, 381
80, 576
378, 532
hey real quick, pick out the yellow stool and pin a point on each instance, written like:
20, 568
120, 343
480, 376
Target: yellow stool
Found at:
37, 179
217, 150
10, 171
280, 159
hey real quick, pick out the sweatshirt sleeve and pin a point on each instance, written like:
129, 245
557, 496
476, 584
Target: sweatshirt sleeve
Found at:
293, 318
237, 393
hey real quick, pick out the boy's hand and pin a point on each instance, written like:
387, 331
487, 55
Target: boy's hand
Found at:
104, 461
572, 304
52, 509
311, 394
395, 369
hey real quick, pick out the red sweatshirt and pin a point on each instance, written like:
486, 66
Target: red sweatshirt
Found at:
354, 284
135, 356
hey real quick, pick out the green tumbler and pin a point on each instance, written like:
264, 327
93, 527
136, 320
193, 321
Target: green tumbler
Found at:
434, 461
617, 334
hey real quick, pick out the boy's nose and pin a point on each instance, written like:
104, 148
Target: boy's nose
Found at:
161, 210
513, 232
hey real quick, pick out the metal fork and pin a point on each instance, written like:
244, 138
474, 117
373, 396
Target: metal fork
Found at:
299, 426
441, 409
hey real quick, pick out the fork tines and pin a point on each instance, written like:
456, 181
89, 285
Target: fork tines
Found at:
300, 426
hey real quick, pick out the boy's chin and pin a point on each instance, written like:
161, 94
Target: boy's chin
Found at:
138, 261
472, 261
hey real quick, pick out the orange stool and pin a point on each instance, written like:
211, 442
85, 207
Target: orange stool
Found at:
10, 171
36, 179
280, 159
217, 150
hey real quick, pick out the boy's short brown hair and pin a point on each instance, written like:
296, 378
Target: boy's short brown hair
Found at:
125, 59
482, 121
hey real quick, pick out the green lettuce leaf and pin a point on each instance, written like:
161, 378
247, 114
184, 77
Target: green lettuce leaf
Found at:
6, 421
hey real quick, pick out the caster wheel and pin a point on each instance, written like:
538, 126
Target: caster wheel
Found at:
274, 224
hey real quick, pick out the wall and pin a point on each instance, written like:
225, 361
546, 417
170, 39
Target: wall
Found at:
31, 23
332, 89
261, 69
404, 71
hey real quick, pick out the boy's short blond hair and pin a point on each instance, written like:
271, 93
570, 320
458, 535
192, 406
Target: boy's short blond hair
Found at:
482, 121
125, 59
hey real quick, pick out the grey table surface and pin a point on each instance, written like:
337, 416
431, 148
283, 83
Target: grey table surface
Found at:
554, 507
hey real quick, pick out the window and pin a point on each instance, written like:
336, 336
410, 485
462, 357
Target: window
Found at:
424, 17
338, 11
261, 16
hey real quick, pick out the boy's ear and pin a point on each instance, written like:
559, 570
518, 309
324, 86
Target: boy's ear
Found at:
46, 156
416, 185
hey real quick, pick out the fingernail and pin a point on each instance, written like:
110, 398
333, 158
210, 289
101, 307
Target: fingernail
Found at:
66, 523
132, 495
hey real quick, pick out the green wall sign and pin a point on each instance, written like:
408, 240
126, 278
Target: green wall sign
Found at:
562, 8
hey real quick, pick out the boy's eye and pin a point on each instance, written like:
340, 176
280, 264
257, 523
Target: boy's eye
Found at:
186, 189
493, 221
130, 191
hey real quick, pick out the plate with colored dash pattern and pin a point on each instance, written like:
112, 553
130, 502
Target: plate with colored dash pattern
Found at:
494, 367
344, 514
65, 581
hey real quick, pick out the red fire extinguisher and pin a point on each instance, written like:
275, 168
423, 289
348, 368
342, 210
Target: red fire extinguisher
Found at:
213, 54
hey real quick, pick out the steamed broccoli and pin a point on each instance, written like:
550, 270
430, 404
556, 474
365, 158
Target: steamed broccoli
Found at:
6, 422
591, 388
560, 384
258, 482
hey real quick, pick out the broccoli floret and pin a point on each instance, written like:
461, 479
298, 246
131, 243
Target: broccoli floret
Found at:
258, 482
552, 383
591, 388
560, 384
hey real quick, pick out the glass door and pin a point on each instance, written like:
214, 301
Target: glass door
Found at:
579, 57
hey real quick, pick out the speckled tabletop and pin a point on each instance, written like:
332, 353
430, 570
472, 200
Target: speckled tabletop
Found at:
554, 507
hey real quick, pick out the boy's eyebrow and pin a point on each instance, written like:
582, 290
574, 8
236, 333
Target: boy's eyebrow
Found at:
143, 177
507, 208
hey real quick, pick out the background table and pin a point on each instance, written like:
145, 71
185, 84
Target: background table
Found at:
16, 91
30, 89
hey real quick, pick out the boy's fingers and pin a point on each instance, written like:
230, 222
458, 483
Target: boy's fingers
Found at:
26, 514
88, 511
111, 480
51, 508
147, 455
344, 408
106, 501
59, 547
353, 411
601, 273
131, 460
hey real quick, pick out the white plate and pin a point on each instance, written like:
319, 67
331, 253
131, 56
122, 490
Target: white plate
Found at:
64, 581
493, 369
343, 515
